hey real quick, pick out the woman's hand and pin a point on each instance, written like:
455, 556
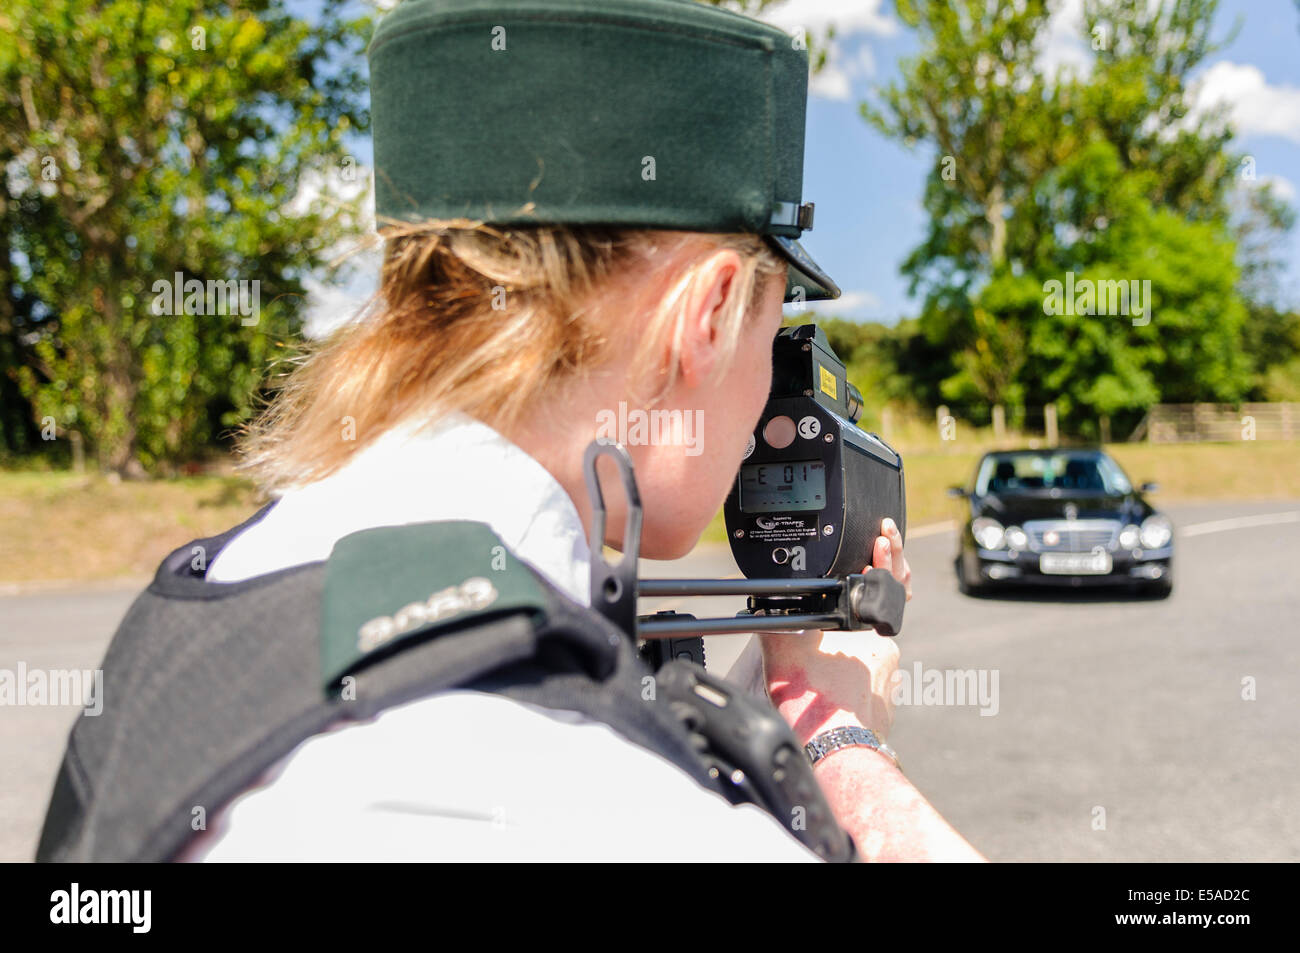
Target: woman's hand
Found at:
828, 680
888, 554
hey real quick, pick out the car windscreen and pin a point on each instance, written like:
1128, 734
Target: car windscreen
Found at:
1029, 472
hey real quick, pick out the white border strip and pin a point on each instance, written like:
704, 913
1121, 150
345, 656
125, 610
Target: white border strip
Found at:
1240, 522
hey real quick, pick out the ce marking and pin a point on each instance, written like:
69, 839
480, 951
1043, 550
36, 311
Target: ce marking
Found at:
809, 427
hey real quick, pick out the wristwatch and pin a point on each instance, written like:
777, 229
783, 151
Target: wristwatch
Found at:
848, 737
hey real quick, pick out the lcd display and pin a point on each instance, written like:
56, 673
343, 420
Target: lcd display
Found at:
798, 486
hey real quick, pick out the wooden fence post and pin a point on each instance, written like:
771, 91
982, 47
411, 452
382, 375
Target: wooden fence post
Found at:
1049, 419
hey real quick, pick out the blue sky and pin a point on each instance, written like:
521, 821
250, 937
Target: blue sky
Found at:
868, 189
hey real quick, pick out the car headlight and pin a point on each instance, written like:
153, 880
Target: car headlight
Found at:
1129, 537
988, 533
1156, 532
1016, 538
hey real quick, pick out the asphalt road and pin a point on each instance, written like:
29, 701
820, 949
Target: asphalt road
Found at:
1117, 729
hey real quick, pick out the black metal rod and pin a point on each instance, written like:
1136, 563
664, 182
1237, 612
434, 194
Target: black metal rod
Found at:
653, 628
735, 587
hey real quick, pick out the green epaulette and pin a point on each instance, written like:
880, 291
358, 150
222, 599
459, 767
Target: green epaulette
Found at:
387, 586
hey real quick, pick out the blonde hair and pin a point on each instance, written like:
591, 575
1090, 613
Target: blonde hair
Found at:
482, 320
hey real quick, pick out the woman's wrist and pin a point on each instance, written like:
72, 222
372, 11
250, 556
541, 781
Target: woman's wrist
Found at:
809, 714
816, 687
858, 757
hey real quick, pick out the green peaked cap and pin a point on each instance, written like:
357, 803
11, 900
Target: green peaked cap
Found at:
631, 113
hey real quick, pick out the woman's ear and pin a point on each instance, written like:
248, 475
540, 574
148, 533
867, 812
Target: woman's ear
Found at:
706, 302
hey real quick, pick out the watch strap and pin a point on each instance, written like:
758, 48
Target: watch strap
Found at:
848, 736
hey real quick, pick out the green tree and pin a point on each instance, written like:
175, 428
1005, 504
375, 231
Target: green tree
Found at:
1103, 175
151, 139
18, 430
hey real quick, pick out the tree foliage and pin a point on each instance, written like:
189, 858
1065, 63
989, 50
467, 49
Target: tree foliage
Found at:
143, 140
1104, 174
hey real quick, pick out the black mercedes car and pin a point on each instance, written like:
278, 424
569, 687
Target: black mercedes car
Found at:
1061, 517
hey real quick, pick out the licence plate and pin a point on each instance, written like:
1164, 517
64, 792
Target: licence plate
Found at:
1074, 564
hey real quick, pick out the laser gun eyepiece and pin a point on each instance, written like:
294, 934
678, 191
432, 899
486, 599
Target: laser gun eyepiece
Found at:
854, 401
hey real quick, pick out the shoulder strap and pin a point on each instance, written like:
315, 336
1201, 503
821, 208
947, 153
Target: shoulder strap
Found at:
206, 684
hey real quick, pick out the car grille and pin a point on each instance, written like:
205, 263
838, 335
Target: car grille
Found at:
1073, 536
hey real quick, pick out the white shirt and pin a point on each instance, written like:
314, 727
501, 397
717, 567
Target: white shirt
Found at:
465, 775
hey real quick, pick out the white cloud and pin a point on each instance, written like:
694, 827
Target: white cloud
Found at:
345, 185
832, 81
858, 304
1283, 188
857, 301
837, 78
332, 306
858, 16
1253, 106
1063, 48
337, 300
852, 21
346, 188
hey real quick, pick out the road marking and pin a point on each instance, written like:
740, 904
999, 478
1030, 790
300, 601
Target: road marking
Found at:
1241, 522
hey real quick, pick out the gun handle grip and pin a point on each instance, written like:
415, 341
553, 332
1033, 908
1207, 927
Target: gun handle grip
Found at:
878, 598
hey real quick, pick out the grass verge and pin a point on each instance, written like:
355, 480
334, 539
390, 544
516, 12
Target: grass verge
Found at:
1186, 473
58, 526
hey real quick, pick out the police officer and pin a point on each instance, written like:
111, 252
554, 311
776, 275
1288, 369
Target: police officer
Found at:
589, 208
